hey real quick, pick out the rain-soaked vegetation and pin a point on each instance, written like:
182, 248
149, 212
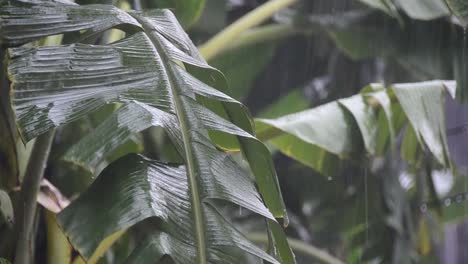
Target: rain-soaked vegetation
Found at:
233, 131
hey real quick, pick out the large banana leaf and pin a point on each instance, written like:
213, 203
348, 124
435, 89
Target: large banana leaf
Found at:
312, 133
54, 86
317, 136
133, 189
26, 21
424, 106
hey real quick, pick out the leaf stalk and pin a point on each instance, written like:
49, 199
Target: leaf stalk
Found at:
213, 46
28, 197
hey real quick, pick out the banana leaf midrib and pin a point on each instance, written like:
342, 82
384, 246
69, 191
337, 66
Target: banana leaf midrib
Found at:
192, 177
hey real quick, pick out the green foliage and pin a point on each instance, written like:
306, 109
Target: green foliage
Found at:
329, 131
312, 133
159, 156
153, 189
54, 86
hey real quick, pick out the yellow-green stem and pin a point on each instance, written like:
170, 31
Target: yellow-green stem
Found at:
261, 34
252, 19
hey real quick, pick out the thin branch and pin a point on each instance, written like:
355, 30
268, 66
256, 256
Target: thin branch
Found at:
28, 197
299, 247
252, 19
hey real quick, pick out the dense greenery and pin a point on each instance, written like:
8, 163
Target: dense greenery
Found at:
138, 150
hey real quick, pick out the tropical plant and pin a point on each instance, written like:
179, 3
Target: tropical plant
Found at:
154, 151
160, 79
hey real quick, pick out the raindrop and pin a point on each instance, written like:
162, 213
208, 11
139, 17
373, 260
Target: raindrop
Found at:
459, 198
329, 178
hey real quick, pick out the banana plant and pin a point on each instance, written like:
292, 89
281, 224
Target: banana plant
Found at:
358, 130
157, 77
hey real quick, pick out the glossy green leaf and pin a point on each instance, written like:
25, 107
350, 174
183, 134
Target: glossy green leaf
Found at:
366, 119
71, 81
57, 85
121, 124
135, 117
311, 136
133, 189
319, 126
423, 104
256, 153
25, 21
114, 131
280, 243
